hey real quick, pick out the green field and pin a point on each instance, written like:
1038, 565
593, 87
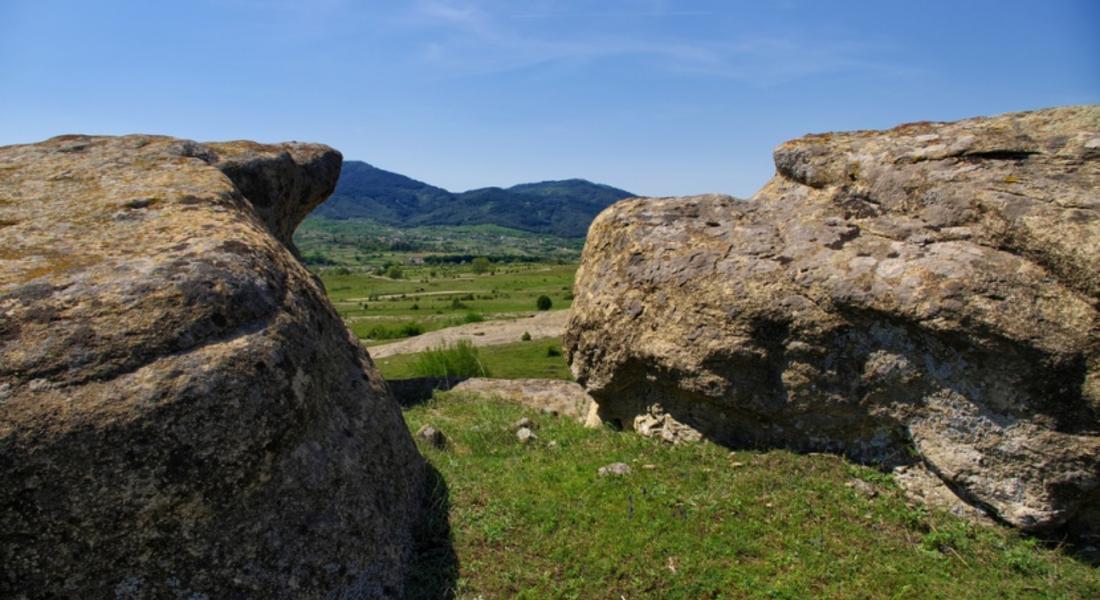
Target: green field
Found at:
692, 521
359, 242
434, 297
539, 359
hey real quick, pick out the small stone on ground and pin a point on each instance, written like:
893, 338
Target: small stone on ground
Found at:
862, 487
618, 469
432, 435
525, 435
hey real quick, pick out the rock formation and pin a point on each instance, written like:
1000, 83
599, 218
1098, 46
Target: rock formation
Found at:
928, 293
182, 412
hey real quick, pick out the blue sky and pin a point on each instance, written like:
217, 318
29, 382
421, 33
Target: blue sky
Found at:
658, 97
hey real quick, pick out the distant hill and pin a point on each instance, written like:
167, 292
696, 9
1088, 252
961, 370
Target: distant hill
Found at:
563, 208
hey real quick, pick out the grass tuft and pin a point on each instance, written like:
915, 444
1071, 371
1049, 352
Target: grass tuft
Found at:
517, 360
460, 359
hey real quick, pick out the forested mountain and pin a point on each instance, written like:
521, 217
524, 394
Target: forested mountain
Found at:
562, 208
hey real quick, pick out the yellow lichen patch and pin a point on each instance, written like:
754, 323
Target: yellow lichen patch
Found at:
54, 263
9, 253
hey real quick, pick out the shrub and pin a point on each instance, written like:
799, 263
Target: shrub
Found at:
415, 306
543, 302
457, 304
526, 337
316, 258
473, 317
553, 351
460, 359
480, 265
389, 332
394, 272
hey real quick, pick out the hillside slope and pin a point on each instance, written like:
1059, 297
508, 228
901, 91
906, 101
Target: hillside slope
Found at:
562, 208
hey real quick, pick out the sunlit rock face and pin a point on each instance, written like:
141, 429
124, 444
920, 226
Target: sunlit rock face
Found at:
182, 412
926, 294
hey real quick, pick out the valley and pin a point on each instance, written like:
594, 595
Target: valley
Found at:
433, 305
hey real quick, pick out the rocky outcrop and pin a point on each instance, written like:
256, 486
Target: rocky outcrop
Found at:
182, 412
928, 293
553, 396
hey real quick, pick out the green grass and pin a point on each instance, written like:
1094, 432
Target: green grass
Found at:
694, 521
460, 359
506, 361
453, 296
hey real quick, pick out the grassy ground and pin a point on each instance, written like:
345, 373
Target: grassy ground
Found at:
539, 359
438, 297
693, 521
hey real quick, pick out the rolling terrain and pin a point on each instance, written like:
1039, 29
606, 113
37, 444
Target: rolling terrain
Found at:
561, 208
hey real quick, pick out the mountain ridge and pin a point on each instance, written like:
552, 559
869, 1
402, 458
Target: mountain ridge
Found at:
561, 207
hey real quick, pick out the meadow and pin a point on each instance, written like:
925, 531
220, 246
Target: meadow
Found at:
379, 308
514, 520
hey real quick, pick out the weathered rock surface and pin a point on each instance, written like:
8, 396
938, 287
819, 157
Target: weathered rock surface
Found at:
182, 413
553, 396
930, 290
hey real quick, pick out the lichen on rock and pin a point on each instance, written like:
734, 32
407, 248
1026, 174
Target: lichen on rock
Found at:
183, 411
927, 293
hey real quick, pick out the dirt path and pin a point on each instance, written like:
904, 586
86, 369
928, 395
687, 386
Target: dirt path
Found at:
487, 333
412, 295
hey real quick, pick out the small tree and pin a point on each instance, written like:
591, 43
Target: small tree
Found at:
543, 302
480, 265
394, 272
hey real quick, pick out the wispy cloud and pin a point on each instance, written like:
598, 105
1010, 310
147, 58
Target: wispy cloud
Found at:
466, 16
478, 38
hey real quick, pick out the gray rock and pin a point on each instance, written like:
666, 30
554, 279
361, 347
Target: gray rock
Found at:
550, 396
186, 415
659, 424
930, 290
523, 423
525, 435
432, 436
614, 469
862, 487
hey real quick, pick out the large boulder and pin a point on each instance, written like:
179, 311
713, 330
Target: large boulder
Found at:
928, 293
182, 412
